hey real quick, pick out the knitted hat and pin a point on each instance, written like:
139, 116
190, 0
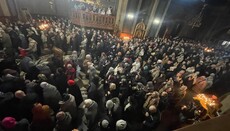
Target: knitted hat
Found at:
71, 82
109, 104
60, 115
121, 125
159, 61
19, 94
9, 122
87, 102
44, 84
112, 86
104, 123
42, 77
74, 52
69, 66
152, 108
190, 70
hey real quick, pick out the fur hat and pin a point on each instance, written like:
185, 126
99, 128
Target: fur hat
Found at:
121, 125
9, 122
104, 123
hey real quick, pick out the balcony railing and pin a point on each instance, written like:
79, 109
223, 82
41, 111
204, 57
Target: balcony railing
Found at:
94, 20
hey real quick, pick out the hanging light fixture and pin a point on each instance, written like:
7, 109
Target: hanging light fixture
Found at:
197, 20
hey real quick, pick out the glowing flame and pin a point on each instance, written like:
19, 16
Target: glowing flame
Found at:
205, 101
44, 26
208, 49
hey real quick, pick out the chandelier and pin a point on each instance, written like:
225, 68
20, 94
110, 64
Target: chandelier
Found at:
197, 20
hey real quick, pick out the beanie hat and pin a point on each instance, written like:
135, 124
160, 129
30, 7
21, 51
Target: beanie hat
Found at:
9, 122
19, 94
60, 115
190, 69
109, 104
112, 86
104, 123
74, 52
121, 125
42, 77
44, 84
159, 61
71, 82
69, 66
87, 102
152, 108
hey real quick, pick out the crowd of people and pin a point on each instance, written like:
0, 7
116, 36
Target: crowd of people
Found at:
93, 8
135, 85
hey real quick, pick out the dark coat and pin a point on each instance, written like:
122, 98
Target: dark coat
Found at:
65, 124
26, 104
75, 91
151, 121
60, 81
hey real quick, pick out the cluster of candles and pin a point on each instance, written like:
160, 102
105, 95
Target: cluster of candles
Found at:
44, 26
208, 49
205, 101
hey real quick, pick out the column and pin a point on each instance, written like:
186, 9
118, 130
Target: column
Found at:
152, 16
135, 18
163, 17
4, 7
121, 13
17, 9
118, 13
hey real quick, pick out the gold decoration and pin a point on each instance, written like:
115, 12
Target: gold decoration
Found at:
140, 30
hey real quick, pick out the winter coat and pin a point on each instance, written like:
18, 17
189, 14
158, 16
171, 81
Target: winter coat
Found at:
6, 41
51, 96
65, 124
151, 121
70, 106
91, 113
75, 91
